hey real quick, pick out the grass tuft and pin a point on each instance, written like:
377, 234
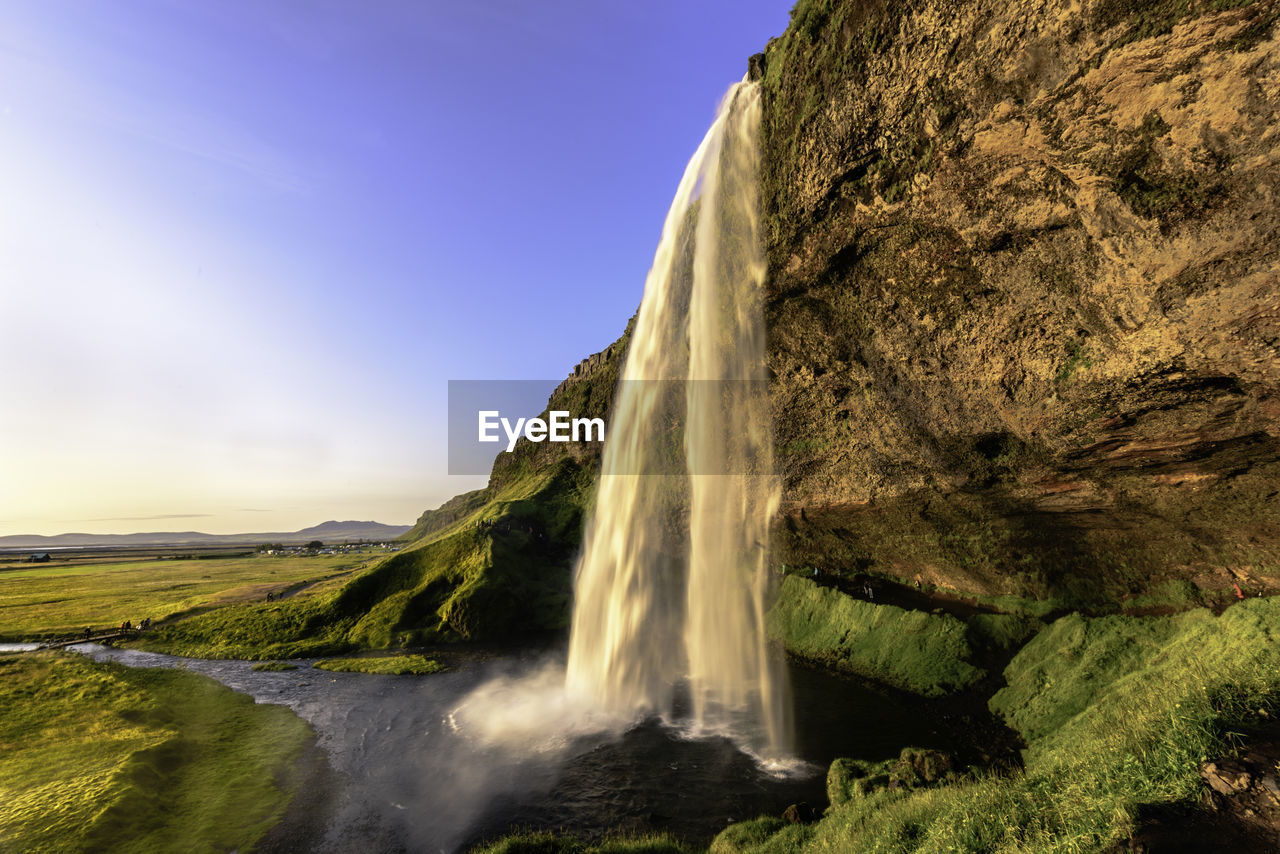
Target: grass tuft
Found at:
393, 665
544, 842
1118, 713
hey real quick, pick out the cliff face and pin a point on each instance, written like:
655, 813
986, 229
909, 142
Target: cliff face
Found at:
1023, 318
1023, 304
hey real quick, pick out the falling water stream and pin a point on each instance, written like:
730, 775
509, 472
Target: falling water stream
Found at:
671, 584
669, 712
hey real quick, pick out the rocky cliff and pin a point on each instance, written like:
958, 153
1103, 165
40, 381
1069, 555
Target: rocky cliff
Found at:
1022, 307
1023, 302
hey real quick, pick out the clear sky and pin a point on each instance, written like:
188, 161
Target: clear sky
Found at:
244, 244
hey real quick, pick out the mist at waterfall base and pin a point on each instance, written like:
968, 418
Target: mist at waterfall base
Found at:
398, 771
670, 587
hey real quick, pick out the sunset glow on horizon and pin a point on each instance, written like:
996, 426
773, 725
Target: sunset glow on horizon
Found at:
246, 245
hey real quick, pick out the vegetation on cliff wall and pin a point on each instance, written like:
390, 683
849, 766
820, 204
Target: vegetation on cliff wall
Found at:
927, 654
1118, 714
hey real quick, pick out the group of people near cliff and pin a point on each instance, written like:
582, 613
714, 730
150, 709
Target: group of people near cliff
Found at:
125, 627
128, 626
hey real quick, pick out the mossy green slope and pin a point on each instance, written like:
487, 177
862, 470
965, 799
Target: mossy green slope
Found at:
927, 654
446, 514
1118, 714
100, 757
503, 569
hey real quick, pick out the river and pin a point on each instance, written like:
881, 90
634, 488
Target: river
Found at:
411, 770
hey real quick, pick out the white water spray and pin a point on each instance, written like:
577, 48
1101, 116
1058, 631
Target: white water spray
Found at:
671, 585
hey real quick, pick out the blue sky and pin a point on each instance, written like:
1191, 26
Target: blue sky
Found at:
245, 244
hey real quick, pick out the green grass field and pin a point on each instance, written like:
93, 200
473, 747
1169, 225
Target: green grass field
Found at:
101, 757
52, 600
392, 665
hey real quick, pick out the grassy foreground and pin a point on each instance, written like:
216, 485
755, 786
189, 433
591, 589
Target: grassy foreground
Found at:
101, 757
48, 601
1118, 712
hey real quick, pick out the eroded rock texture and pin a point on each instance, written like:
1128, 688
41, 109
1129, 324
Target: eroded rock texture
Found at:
1023, 300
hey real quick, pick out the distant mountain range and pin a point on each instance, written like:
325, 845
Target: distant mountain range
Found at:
329, 532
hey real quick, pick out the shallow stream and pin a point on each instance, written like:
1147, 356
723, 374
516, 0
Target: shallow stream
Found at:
410, 768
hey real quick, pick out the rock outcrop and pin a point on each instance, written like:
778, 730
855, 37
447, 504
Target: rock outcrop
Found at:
1023, 301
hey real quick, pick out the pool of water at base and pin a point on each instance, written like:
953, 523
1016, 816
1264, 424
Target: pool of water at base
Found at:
403, 775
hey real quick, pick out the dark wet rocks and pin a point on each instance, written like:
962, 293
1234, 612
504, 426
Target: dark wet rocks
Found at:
1227, 776
800, 813
1238, 812
851, 779
1248, 787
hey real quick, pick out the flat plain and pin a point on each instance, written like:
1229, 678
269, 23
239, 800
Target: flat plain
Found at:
39, 601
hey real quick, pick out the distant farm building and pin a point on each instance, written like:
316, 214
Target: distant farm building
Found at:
40, 557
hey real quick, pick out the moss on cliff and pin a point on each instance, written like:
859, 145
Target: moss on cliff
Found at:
927, 654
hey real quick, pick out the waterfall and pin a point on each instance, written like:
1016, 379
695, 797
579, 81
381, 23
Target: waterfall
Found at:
671, 584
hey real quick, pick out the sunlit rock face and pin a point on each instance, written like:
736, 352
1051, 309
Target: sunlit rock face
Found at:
1022, 301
